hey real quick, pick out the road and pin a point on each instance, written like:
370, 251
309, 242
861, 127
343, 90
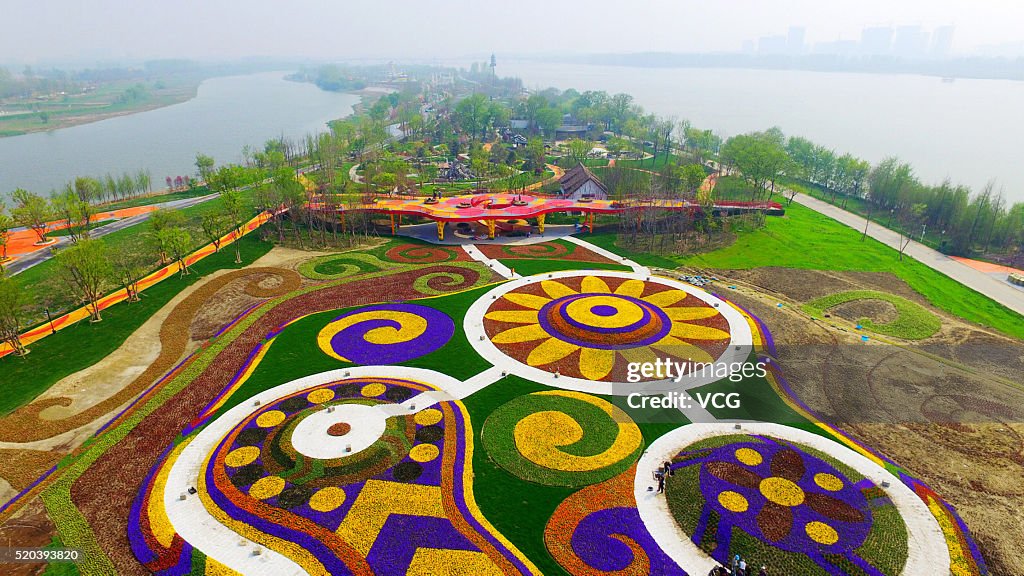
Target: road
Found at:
998, 290
29, 260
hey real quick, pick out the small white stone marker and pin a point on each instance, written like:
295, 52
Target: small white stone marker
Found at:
182, 496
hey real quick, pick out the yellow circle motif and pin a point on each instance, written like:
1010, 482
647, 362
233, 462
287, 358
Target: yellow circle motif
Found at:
424, 452
733, 501
327, 499
782, 491
828, 482
821, 533
626, 313
320, 396
241, 456
270, 419
749, 456
372, 390
428, 417
266, 487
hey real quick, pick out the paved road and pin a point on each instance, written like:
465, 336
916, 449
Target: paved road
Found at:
996, 289
29, 260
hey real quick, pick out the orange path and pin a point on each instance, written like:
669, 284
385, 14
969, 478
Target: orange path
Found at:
987, 267
23, 241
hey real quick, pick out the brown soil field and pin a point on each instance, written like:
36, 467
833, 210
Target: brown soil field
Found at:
950, 408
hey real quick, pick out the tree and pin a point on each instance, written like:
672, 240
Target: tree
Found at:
231, 206
129, 268
176, 242
214, 224
64, 206
6, 223
31, 211
549, 119
12, 306
88, 271
579, 150
204, 166
692, 176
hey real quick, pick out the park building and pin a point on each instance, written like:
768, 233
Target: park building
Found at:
581, 184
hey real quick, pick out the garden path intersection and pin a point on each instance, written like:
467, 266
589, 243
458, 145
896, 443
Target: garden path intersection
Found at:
393, 461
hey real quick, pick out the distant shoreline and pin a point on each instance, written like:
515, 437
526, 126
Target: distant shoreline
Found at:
959, 68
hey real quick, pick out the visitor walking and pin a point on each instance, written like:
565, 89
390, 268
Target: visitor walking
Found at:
743, 567
763, 571
660, 477
735, 564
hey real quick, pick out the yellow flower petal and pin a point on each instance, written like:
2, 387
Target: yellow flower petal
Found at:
680, 349
528, 300
632, 288
639, 355
514, 316
556, 289
690, 313
697, 332
596, 363
518, 334
666, 298
594, 284
266, 487
550, 351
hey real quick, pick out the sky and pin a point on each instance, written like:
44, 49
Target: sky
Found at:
40, 31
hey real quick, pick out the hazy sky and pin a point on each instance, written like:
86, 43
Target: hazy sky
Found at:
42, 30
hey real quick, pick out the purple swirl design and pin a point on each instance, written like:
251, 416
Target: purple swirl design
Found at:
350, 341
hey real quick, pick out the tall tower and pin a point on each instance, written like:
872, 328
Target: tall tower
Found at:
493, 64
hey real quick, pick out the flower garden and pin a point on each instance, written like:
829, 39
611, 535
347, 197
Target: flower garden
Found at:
407, 410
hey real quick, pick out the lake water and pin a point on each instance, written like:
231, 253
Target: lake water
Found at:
226, 114
968, 130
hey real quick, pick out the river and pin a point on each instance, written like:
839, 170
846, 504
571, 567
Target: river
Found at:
967, 130
226, 114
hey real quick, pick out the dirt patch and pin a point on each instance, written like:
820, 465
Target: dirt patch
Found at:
877, 311
806, 285
947, 410
30, 528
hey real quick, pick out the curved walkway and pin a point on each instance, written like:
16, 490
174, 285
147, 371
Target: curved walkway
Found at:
1000, 291
927, 552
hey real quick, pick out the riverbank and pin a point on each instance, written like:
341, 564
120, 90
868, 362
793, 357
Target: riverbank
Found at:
108, 101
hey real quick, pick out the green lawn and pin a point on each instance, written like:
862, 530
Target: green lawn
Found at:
83, 344
913, 322
157, 198
528, 267
806, 239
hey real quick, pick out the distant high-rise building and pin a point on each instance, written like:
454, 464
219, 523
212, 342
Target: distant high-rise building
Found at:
942, 41
795, 40
771, 45
910, 42
876, 41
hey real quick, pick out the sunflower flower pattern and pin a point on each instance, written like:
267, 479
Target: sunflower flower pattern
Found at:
592, 327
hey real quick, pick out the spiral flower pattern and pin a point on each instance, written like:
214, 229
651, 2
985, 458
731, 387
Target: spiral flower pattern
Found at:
561, 438
386, 334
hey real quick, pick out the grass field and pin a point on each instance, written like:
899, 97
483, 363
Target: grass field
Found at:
808, 240
83, 344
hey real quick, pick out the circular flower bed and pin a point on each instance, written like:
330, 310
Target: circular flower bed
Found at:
373, 510
784, 504
561, 438
386, 333
592, 327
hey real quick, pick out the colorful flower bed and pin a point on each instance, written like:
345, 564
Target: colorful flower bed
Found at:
561, 438
591, 327
786, 505
386, 334
420, 254
599, 531
912, 323
402, 504
559, 249
335, 266
98, 490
